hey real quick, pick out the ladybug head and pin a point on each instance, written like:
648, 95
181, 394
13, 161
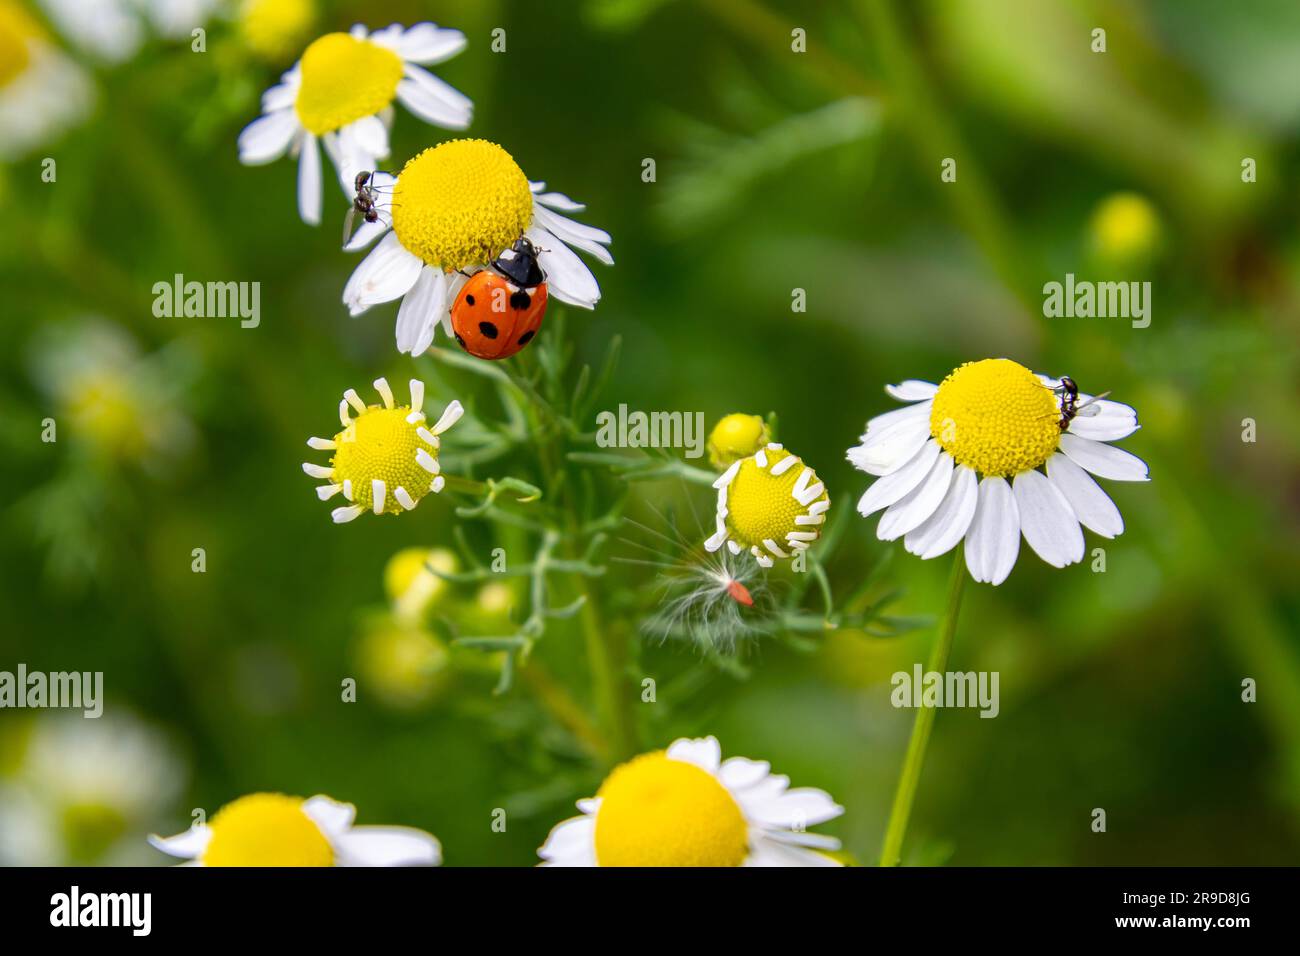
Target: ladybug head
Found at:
519, 264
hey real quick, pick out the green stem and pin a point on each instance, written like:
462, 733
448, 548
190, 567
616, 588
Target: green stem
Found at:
891, 852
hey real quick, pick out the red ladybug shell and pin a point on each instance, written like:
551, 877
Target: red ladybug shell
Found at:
493, 319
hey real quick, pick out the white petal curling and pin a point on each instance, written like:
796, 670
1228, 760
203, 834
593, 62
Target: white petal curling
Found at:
567, 277
1112, 421
1046, 520
940, 533
911, 390
885, 491
418, 316
387, 273
268, 137
331, 816
571, 843
1090, 504
993, 541
704, 752
555, 200
386, 846
433, 100
189, 845
1103, 460
309, 188
918, 504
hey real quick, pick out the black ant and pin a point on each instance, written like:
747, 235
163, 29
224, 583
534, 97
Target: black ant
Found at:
364, 203
1070, 407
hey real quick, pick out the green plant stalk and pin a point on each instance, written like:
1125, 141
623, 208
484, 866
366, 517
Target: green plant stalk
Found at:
891, 851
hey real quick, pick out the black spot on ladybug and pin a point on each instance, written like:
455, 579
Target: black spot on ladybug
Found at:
488, 329
469, 300
526, 337
520, 300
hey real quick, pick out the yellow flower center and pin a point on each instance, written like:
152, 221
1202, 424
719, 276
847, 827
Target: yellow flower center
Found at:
274, 28
761, 505
266, 829
655, 811
343, 80
997, 417
461, 203
17, 31
381, 444
736, 436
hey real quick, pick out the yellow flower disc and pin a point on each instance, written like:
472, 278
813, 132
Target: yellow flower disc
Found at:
655, 811
17, 31
266, 829
761, 506
274, 28
343, 80
736, 436
997, 417
461, 203
381, 444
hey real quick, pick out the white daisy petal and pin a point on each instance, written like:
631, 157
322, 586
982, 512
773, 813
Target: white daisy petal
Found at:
940, 533
993, 542
309, 188
567, 276
1111, 422
433, 100
1046, 520
418, 315
911, 390
423, 43
705, 752
802, 806
1103, 460
885, 491
571, 843
188, 845
387, 273
1090, 504
918, 504
555, 200
766, 852
331, 816
365, 234
371, 135
587, 238
740, 773
387, 846
891, 442
268, 137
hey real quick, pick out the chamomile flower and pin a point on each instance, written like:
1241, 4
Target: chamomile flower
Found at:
962, 460
340, 94
271, 829
685, 806
736, 436
451, 211
770, 504
42, 92
385, 459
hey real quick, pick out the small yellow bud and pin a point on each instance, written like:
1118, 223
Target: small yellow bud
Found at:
736, 436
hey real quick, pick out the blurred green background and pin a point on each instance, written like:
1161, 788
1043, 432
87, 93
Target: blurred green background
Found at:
775, 170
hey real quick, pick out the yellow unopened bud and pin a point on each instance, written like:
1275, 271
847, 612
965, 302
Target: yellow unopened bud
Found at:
737, 436
411, 581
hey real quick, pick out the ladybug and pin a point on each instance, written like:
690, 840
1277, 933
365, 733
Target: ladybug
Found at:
500, 308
